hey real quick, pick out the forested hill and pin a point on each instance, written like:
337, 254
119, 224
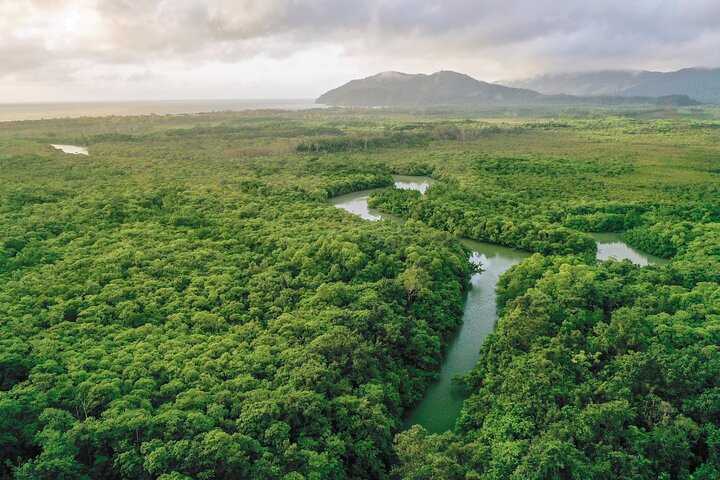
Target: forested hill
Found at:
445, 88
183, 303
441, 88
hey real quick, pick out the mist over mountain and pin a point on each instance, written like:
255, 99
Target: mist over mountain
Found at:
702, 84
395, 89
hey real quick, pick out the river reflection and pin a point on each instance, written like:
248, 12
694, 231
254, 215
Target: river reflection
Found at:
610, 245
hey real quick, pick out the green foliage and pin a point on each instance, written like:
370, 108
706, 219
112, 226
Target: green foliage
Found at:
350, 144
439, 212
594, 371
605, 371
203, 316
183, 303
664, 239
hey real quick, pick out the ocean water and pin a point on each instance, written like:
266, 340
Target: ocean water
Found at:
38, 111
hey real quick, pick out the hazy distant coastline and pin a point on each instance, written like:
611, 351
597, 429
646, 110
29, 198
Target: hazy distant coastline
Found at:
38, 111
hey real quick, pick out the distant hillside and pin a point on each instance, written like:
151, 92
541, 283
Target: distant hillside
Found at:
699, 83
395, 89
441, 88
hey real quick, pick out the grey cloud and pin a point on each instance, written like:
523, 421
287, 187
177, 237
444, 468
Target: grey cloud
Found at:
551, 34
20, 57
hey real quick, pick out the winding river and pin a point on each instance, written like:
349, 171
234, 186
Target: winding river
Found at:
441, 405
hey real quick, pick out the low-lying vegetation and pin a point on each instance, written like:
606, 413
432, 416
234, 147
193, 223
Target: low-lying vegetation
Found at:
183, 303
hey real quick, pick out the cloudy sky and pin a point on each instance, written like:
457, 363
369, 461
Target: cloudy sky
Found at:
56, 50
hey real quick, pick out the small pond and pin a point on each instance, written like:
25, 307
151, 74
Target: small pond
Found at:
72, 149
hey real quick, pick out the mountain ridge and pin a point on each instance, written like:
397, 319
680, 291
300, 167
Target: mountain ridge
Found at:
448, 88
445, 87
700, 83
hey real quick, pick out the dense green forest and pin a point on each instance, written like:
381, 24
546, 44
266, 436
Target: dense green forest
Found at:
183, 303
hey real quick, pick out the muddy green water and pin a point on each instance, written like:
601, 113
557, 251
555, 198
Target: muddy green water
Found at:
440, 406
357, 202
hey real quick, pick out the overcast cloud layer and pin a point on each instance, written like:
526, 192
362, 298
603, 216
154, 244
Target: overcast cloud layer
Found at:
148, 49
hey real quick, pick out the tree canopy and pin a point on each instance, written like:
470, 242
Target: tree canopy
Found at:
184, 304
